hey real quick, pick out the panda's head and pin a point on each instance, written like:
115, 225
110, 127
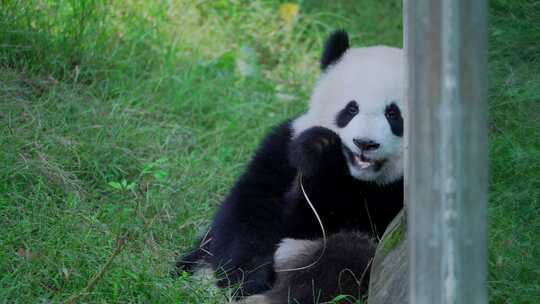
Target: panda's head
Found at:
359, 96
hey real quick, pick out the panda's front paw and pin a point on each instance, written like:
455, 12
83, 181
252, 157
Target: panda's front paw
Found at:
314, 149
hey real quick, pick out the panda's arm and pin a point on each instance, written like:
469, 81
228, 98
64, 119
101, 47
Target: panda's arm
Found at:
322, 172
317, 154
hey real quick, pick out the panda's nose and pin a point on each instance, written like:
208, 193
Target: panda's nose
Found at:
366, 144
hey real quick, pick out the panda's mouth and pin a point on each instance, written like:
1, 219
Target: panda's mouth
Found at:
363, 162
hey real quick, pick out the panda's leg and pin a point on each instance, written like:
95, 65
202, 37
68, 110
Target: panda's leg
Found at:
245, 236
189, 262
342, 270
247, 277
248, 270
197, 258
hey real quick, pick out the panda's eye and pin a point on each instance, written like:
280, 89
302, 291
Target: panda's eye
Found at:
392, 112
352, 108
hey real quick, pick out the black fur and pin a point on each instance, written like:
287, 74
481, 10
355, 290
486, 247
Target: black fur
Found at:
266, 205
250, 221
395, 120
336, 45
347, 114
343, 269
195, 259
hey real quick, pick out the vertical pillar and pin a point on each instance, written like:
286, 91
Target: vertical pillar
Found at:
446, 171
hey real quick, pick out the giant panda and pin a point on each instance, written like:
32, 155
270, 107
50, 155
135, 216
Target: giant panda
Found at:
302, 221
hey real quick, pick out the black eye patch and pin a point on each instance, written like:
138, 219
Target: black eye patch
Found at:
347, 114
393, 115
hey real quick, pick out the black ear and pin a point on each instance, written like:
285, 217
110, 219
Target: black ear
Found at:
335, 46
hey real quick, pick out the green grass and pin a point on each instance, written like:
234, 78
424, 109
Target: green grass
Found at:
131, 119
514, 205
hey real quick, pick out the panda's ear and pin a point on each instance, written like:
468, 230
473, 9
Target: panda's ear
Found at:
335, 46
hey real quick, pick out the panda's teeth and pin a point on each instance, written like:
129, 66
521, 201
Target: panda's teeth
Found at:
360, 163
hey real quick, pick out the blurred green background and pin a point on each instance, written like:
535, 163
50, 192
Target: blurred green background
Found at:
124, 123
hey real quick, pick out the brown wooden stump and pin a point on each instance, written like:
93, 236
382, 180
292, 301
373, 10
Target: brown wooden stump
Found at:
389, 272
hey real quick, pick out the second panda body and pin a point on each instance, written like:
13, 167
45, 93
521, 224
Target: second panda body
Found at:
354, 182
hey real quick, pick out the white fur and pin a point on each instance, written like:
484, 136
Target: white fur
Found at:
373, 77
288, 249
255, 299
204, 273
